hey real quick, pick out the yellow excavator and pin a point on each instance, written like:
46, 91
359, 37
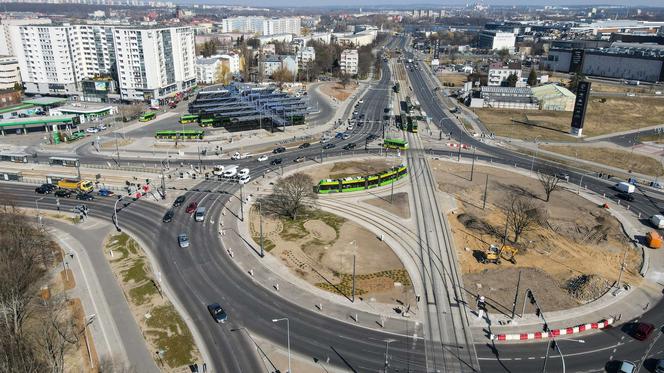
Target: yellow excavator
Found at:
494, 254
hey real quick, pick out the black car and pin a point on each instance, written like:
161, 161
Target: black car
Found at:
85, 197
371, 137
62, 193
329, 146
169, 216
276, 161
278, 150
629, 197
218, 313
349, 146
304, 145
42, 190
179, 201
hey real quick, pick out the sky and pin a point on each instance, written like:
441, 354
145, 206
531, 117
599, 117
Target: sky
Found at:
408, 3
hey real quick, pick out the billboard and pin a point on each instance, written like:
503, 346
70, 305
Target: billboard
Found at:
580, 106
100, 86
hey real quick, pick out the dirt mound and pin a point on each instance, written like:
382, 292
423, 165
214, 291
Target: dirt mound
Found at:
472, 222
587, 288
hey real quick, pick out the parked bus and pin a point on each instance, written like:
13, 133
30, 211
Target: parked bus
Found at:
190, 118
186, 134
63, 161
208, 122
75, 184
352, 184
395, 144
145, 117
16, 158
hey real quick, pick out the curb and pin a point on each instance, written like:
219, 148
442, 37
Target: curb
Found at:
553, 333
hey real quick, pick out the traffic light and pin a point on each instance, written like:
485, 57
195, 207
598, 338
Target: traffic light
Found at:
531, 297
545, 327
538, 312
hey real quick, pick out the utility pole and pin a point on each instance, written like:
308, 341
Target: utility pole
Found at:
472, 166
260, 219
486, 187
353, 279
241, 203
459, 154
117, 148
507, 219
516, 294
163, 183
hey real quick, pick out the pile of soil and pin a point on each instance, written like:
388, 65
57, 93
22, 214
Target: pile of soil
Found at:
587, 288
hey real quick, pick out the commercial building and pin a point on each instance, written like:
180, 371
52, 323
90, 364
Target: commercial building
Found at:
10, 74
261, 25
505, 98
499, 72
154, 63
349, 61
496, 40
607, 27
554, 97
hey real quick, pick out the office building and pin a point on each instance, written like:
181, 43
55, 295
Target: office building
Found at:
496, 40
261, 25
9, 72
349, 61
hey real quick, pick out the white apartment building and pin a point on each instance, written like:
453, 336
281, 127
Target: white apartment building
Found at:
304, 56
207, 69
499, 72
496, 40
233, 61
349, 61
154, 63
261, 25
9, 72
9, 30
356, 40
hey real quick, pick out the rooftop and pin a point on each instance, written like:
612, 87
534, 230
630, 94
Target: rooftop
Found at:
548, 90
43, 101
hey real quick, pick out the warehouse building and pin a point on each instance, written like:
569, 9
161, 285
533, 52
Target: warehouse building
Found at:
554, 97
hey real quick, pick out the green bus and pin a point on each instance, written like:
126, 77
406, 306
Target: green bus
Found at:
186, 134
352, 184
189, 118
145, 117
208, 122
395, 144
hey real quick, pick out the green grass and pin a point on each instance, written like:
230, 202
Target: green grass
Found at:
136, 273
171, 334
122, 244
142, 294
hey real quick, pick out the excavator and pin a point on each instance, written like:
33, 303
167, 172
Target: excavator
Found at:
494, 254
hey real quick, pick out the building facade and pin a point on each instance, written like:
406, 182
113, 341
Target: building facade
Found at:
349, 61
10, 74
207, 70
496, 40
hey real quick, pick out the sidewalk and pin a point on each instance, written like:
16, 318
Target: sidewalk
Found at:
115, 332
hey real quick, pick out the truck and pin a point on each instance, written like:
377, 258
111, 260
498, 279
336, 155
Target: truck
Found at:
75, 184
218, 170
657, 221
625, 187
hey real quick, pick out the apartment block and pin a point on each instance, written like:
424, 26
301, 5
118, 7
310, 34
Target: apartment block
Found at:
261, 25
349, 61
9, 72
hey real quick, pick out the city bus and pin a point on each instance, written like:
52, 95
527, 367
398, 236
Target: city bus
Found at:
395, 144
352, 184
189, 118
186, 134
63, 161
208, 122
145, 117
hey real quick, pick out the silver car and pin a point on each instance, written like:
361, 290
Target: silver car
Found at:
183, 240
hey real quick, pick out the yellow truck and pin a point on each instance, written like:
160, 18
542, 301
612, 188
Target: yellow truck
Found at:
75, 184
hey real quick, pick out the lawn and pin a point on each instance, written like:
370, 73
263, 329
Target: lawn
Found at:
612, 157
605, 115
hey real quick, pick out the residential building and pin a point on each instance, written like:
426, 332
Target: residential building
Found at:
207, 69
154, 63
261, 25
496, 40
304, 56
9, 72
233, 61
349, 61
284, 38
9, 31
499, 72
276, 62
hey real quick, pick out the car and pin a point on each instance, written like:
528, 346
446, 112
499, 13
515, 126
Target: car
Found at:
642, 331
304, 145
627, 367
217, 313
168, 217
63, 193
102, 126
92, 130
85, 197
355, 113
244, 179
278, 150
298, 160
41, 113
173, 105
659, 368
179, 201
262, 158
183, 240
339, 135
563, 176
105, 192
42, 190
629, 197
371, 137
276, 161
346, 136
349, 128
192, 207
360, 101
329, 146
23, 115
350, 146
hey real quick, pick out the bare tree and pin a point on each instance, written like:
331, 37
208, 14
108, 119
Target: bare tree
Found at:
56, 333
345, 80
282, 75
291, 195
223, 74
129, 112
522, 215
549, 183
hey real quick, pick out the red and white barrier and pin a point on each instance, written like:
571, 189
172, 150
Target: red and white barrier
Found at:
463, 146
552, 333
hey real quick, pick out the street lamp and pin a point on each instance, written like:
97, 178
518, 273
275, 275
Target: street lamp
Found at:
115, 214
288, 336
39, 220
260, 220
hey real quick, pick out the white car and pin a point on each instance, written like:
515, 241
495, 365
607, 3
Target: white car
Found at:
244, 179
361, 101
236, 156
262, 158
92, 130
349, 128
102, 126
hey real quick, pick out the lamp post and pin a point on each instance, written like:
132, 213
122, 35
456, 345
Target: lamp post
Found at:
115, 214
288, 337
260, 220
39, 220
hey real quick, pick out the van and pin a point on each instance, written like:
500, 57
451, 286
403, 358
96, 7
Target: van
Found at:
230, 172
200, 214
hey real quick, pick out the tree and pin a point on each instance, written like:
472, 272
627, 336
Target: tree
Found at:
18, 86
345, 80
512, 79
129, 112
504, 54
522, 214
549, 183
532, 78
290, 195
574, 81
223, 74
282, 75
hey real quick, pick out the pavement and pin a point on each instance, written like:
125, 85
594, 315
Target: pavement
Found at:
115, 332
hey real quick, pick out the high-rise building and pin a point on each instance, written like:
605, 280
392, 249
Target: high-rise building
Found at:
9, 29
154, 63
9, 72
261, 25
349, 61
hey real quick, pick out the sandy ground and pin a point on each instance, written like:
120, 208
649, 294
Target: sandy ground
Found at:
323, 256
457, 79
343, 169
336, 90
399, 206
623, 159
579, 238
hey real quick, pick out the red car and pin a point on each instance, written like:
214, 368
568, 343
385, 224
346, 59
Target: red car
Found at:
192, 207
643, 330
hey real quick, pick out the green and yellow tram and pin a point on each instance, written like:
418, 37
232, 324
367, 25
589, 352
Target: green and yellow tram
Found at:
395, 144
146, 117
352, 184
189, 118
182, 135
